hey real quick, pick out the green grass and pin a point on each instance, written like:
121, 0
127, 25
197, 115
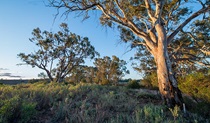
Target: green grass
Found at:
85, 103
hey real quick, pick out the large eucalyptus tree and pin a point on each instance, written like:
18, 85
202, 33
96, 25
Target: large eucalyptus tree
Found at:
152, 24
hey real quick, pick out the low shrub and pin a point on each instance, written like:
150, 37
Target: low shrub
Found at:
84, 103
15, 109
150, 81
196, 85
133, 84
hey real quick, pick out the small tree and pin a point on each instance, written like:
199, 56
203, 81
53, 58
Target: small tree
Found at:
82, 73
89, 73
42, 75
110, 70
58, 53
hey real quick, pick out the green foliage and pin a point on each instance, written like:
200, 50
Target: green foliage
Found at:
109, 70
150, 113
150, 80
197, 85
58, 53
15, 109
175, 112
106, 71
133, 84
197, 106
83, 73
9, 109
85, 103
27, 111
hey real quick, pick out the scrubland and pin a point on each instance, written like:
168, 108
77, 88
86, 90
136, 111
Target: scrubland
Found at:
42, 102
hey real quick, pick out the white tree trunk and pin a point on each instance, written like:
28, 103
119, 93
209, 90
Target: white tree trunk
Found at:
167, 83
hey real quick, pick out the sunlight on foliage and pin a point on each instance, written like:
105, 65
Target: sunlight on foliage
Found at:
85, 103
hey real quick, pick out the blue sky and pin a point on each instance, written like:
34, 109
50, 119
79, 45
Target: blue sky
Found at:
19, 17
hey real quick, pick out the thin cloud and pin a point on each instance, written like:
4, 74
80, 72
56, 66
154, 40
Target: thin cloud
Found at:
9, 75
15, 76
5, 74
4, 69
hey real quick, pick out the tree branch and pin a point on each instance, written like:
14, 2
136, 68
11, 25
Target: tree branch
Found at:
159, 7
118, 5
110, 15
202, 64
129, 24
203, 10
205, 52
149, 10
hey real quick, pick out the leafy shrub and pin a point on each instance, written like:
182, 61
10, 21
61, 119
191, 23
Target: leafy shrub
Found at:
133, 84
12, 110
27, 111
150, 81
196, 85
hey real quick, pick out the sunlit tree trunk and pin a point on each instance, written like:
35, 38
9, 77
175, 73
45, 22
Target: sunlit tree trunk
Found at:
167, 83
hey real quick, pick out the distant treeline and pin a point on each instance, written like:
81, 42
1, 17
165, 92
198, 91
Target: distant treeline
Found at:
13, 82
19, 81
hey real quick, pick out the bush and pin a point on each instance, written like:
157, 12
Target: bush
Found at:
10, 109
196, 85
27, 111
150, 81
133, 84
14, 109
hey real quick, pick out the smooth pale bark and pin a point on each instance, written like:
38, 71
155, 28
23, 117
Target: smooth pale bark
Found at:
167, 83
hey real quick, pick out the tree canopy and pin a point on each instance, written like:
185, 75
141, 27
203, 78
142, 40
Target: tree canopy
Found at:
106, 70
188, 52
59, 53
110, 70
